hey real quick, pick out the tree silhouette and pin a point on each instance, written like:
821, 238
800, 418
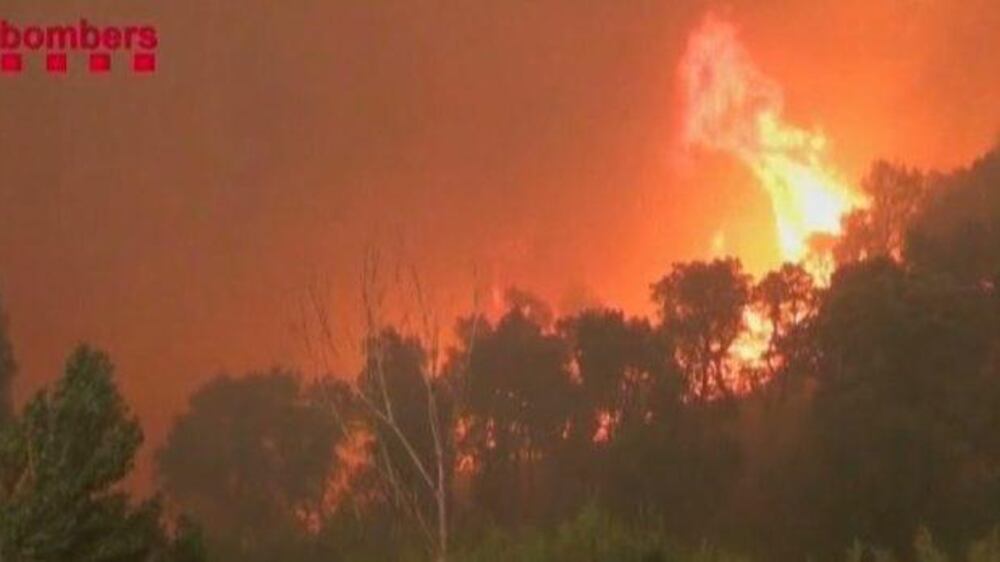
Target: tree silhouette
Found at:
787, 298
904, 405
252, 458
957, 233
895, 196
875, 413
702, 306
619, 368
517, 409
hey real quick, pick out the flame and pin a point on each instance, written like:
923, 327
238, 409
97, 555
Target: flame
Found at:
748, 350
731, 106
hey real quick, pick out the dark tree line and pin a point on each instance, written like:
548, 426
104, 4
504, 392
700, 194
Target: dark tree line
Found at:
863, 409
868, 410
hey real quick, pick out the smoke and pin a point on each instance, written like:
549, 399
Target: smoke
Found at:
723, 91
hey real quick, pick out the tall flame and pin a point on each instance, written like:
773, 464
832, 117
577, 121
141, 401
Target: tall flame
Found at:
731, 106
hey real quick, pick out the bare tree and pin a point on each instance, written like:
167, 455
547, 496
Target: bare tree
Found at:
374, 398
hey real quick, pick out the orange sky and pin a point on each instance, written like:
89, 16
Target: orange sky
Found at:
176, 220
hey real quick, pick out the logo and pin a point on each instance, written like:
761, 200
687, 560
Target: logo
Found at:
60, 49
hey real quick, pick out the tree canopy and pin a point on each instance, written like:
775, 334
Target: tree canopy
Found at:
61, 462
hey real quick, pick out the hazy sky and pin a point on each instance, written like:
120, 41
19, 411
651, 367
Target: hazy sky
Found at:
177, 219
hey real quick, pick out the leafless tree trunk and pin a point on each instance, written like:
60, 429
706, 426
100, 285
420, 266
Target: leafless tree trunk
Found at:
377, 402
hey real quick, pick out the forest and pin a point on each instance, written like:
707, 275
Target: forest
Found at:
847, 413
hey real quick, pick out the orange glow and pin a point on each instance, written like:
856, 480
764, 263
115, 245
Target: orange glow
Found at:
731, 106
485, 143
605, 426
748, 350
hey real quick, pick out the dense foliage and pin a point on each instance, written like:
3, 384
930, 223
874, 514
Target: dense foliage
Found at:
859, 415
855, 418
60, 463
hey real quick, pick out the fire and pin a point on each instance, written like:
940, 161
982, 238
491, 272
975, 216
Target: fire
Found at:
748, 350
731, 106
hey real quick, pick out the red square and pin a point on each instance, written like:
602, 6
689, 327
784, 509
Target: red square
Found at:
100, 62
144, 62
10, 62
55, 62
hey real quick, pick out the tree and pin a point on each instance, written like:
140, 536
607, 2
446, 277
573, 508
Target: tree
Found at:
776, 454
787, 299
60, 463
616, 361
905, 407
253, 458
629, 416
957, 232
401, 415
702, 305
517, 400
393, 392
895, 196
